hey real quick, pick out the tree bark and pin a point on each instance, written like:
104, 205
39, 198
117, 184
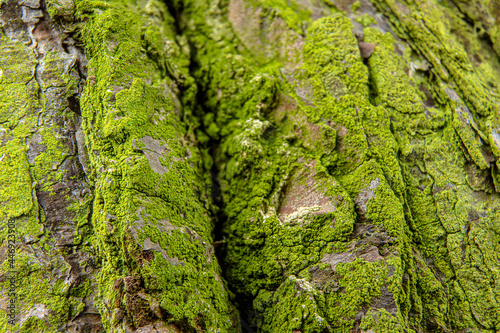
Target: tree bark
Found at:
339, 157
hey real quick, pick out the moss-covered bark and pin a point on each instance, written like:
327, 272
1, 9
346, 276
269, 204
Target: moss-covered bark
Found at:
151, 212
104, 167
344, 152
43, 187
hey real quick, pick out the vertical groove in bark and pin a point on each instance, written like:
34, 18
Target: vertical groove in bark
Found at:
151, 210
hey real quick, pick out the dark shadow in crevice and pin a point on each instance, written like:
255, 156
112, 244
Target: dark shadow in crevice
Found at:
175, 8
199, 109
74, 104
242, 303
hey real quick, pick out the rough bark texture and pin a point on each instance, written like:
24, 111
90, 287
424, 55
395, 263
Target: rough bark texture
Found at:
339, 156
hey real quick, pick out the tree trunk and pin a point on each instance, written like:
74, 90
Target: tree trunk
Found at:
249, 166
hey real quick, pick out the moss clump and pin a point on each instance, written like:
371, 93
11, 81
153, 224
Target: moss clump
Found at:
446, 158
360, 190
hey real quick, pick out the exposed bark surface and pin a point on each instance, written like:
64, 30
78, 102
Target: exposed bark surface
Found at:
340, 155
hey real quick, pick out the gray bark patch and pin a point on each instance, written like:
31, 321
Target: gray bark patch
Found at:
153, 150
365, 195
304, 198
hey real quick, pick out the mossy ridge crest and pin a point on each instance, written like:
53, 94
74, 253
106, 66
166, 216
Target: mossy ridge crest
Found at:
146, 174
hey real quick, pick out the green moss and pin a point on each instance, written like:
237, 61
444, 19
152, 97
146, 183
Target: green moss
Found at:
442, 50
355, 6
462, 121
365, 20
265, 160
443, 191
303, 305
381, 321
146, 172
292, 13
34, 147
307, 156
61, 10
333, 97
15, 180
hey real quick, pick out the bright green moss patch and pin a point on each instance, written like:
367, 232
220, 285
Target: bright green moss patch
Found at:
366, 20
16, 181
303, 303
331, 100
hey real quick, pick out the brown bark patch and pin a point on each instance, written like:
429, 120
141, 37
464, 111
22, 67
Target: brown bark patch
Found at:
304, 194
366, 49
